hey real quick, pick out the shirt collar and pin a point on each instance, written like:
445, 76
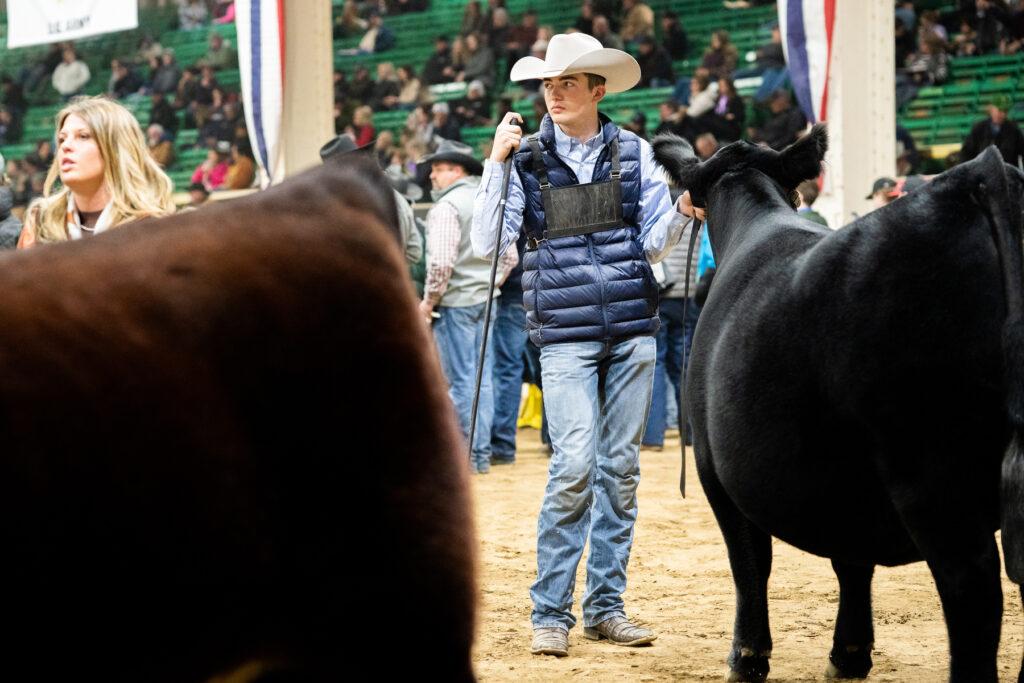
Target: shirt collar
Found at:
564, 143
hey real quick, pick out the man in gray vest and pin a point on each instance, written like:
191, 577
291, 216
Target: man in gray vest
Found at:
596, 212
455, 291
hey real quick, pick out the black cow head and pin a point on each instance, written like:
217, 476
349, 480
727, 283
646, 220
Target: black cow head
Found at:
799, 162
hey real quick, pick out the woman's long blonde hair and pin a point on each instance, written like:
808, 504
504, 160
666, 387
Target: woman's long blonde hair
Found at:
139, 188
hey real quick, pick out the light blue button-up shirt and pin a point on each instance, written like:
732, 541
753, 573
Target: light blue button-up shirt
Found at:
660, 224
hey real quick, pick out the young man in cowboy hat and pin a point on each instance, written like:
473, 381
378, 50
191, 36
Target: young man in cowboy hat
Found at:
455, 292
596, 213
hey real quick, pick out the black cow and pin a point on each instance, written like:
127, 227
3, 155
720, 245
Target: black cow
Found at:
226, 448
849, 390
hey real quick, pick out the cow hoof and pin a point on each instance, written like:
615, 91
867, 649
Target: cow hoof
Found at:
848, 662
747, 666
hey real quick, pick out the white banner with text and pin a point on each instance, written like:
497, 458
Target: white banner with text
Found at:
35, 22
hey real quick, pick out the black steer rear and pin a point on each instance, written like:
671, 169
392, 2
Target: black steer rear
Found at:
849, 390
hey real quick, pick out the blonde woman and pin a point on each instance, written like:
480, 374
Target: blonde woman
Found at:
107, 176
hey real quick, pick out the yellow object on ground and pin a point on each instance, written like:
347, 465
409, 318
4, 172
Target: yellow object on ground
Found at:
530, 408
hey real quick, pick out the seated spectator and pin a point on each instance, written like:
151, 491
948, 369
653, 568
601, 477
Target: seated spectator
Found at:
71, 75
220, 55
521, 37
418, 131
443, 125
498, 31
363, 131
770, 65
242, 172
637, 22
13, 97
929, 66
475, 108
10, 225
668, 118
655, 65
384, 148
963, 43
192, 14
161, 112
167, 74
410, 91
217, 126
37, 71
785, 124
41, 157
340, 85
585, 21
10, 129
721, 56
213, 171
996, 130
727, 118
18, 178
808, 193
197, 196
161, 147
603, 32
638, 125
342, 118
348, 22
124, 81
479, 63
673, 37
990, 25
202, 98
148, 49
930, 26
907, 157
224, 12
703, 98
361, 87
705, 145
472, 18
386, 89
378, 37
438, 68
186, 93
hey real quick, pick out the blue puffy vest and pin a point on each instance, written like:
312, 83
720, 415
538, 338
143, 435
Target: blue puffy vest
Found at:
596, 287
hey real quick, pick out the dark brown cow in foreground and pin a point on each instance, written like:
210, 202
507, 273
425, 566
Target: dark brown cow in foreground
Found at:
226, 446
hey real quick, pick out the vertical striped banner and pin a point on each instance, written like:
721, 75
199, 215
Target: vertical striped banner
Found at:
806, 27
260, 30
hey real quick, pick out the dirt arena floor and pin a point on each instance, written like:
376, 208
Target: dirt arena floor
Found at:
680, 583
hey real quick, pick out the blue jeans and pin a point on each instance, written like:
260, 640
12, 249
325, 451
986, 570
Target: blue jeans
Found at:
458, 333
509, 348
674, 340
597, 396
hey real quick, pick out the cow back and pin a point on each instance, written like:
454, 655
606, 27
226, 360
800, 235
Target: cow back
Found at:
226, 434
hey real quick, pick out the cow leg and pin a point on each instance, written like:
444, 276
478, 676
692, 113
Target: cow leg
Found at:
854, 635
1020, 675
964, 561
750, 556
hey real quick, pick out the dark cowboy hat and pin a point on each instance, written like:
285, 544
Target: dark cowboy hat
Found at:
343, 144
456, 153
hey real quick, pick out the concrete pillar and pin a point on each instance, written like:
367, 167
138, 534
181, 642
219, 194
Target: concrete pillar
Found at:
307, 122
861, 108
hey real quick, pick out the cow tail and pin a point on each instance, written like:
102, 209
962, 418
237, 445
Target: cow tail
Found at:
1003, 208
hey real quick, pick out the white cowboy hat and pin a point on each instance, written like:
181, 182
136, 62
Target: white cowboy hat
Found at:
577, 53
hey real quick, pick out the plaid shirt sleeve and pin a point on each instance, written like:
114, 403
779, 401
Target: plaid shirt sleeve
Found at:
443, 235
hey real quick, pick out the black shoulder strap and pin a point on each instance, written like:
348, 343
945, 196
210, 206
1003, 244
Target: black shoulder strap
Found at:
538, 161
615, 157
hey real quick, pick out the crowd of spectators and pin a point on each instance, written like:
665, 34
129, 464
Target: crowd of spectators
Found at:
151, 73
705, 105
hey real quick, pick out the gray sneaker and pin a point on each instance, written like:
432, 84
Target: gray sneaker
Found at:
620, 631
550, 640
